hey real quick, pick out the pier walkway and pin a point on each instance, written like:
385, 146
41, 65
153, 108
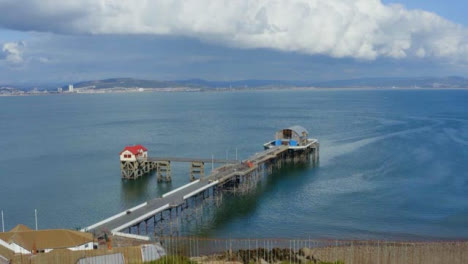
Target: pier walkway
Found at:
291, 145
175, 198
179, 159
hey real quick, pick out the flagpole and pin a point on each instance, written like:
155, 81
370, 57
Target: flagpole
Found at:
35, 216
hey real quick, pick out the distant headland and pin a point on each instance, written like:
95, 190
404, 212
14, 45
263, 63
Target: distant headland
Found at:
130, 85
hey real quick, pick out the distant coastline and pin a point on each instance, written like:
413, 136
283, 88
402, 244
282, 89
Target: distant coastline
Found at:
192, 90
130, 85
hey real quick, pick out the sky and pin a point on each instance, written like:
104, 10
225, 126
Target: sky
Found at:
51, 41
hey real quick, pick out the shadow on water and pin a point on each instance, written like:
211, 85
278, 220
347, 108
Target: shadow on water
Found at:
144, 188
236, 207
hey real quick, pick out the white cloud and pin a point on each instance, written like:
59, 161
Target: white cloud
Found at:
363, 29
13, 52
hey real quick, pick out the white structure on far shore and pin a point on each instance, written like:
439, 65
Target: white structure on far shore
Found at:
70, 88
59, 90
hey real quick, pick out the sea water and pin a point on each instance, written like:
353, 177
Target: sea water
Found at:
393, 163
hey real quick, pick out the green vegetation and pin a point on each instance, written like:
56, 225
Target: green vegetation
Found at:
172, 260
185, 260
336, 262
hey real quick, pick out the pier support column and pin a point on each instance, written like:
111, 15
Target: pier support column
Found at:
129, 169
197, 168
164, 171
313, 159
132, 170
145, 167
315, 154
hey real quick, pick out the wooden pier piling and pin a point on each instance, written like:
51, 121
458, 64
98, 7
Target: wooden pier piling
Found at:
164, 171
197, 168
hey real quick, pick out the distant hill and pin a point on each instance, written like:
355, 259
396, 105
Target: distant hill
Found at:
193, 83
8, 90
426, 82
124, 83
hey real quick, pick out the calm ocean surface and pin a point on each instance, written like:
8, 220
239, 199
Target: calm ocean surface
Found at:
394, 164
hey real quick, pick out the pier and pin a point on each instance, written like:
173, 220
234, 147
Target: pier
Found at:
135, 163
291, 145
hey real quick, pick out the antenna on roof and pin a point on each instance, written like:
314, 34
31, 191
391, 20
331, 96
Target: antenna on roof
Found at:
3, 224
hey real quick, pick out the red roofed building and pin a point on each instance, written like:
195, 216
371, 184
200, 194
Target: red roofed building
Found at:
132, 153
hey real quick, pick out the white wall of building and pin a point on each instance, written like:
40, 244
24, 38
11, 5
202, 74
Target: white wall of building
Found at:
87, 246
17, 248
5, 244
129, 156
124, 156
20, 250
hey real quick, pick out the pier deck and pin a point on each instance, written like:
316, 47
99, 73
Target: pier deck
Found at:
180, 159
231, 171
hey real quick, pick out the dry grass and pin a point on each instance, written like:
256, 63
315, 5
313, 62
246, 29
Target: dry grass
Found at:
348, 252
389, 253
357, 252
131, 254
